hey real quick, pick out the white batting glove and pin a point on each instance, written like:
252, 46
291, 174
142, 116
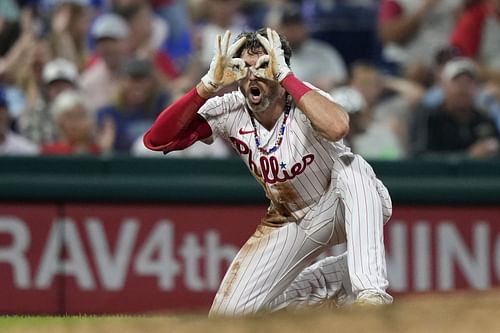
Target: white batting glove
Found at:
224, 69
271, 66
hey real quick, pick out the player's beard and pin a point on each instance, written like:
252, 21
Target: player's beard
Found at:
269, 96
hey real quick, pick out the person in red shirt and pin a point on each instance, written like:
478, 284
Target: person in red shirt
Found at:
477, 35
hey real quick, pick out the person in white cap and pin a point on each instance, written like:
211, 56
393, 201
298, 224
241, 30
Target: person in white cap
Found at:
378, 130
75, 126
100, 80
36, 123
359, 116
456, 125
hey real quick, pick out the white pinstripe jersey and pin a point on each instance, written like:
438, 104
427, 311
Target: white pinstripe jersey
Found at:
298, 173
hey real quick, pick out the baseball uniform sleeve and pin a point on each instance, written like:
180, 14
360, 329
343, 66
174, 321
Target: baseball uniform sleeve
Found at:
317, 135
217, 112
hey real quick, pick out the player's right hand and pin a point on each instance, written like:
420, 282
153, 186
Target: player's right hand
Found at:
224, 69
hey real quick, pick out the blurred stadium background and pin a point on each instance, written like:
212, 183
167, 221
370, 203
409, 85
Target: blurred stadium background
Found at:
91, 223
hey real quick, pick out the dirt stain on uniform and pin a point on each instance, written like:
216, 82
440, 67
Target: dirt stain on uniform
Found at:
249, 245
281, 196
286, 193
235, 268
276, 216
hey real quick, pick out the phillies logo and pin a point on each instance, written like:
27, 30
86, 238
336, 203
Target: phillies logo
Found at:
269, 166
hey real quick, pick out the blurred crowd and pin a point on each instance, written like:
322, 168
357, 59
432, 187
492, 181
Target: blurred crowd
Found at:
90, 76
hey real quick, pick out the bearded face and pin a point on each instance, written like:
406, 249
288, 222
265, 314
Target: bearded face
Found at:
259, 93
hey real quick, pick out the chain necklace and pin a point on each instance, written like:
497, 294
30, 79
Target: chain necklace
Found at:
279, 139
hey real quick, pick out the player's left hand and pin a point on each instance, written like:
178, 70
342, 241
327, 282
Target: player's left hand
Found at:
271, 66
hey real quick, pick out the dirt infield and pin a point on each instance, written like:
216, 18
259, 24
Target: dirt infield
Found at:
467, 312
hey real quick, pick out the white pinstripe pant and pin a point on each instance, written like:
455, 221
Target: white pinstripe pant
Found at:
266, 273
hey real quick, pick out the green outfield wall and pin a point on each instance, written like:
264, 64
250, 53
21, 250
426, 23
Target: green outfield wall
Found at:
125, 179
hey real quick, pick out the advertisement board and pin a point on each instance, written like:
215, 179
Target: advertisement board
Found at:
139, 258
24, 231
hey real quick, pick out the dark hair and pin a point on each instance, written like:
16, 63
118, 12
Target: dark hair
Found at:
445, 54
252, 43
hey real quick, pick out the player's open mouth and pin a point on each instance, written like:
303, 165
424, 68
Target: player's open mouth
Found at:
255, 95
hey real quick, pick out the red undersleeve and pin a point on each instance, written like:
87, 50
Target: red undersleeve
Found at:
179, 125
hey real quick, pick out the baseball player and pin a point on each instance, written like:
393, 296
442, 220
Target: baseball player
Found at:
289, 134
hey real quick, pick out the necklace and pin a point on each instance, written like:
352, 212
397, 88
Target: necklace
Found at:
279, 139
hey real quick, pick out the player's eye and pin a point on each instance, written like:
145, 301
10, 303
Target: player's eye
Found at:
264, 64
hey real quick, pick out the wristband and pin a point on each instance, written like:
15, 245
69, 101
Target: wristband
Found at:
295, 87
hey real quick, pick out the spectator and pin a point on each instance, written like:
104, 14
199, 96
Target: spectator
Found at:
434, 94
456, 125
9, 25
359, 115
178, 44
27, 74
147, 33
70, 22
390, 102
366, 79
18, 70
477, 35
313, 61
138, 102
75, 124
221, 15
36, 121
15, 36
10, 142
99, 81
413, 30
487, 96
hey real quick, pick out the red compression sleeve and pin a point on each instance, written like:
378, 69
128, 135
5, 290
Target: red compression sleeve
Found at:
295, 87
173, 120
197, 129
